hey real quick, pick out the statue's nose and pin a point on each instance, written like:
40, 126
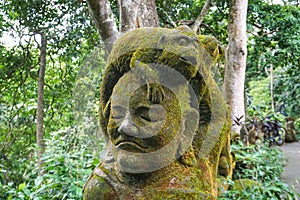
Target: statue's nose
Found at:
128, 127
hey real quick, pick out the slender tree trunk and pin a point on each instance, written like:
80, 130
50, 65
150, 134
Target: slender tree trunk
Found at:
236, 60
201, 16
272, 88
40, 104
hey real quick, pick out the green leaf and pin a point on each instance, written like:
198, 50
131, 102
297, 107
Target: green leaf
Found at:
38, 180
22, 186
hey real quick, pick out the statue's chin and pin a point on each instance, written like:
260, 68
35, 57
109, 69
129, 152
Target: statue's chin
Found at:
141, 162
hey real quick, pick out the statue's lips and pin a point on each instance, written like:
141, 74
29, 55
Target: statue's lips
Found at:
189, 59
130, 146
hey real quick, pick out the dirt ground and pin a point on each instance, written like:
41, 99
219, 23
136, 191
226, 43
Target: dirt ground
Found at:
291, 174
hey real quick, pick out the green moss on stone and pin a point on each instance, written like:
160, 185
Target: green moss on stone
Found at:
194, 175
243, 184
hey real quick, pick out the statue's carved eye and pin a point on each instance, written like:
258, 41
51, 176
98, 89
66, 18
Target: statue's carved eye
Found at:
183, 41
154, 113
118, 112
143, 112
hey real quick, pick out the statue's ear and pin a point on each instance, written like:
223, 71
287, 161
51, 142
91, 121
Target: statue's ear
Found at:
191, 123
213, 48
162, 42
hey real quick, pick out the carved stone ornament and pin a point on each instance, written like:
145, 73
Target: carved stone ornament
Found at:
164, 119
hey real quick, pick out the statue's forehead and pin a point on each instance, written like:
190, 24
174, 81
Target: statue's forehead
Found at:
127, 87
146, 38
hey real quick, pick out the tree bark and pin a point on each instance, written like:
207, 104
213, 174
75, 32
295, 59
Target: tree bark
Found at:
147, 16
201, 16
128, 14
103, 18
236, 60
137, 14
40, 104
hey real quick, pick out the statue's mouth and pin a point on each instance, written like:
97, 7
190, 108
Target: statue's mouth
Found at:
131, 146
189, 59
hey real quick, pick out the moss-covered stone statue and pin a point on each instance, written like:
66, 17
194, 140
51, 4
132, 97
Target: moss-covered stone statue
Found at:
164, 120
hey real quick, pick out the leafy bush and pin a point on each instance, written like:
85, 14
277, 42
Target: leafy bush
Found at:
263, 165
68, 161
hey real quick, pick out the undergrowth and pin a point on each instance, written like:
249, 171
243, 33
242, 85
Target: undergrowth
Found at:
262, 165
68, 161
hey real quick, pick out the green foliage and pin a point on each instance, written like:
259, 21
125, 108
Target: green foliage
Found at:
287, 90
259, 96
70, 38
274, 40
68, 161
86, 93
263, 165
215, 22
177, 10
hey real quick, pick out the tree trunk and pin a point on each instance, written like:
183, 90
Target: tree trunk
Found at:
137, 14
40, 104
147, 15
128, 10
236, 60
103, 18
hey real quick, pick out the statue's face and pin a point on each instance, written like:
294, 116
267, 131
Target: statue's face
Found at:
142, 126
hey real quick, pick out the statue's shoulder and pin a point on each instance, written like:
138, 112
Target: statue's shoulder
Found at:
97, 187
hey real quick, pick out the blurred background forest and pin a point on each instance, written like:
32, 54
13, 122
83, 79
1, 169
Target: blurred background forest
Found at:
75, 60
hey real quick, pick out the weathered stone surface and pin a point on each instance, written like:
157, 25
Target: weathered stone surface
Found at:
163, 117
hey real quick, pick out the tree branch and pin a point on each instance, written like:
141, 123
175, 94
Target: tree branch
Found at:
168, 17
211, 30
201, 17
